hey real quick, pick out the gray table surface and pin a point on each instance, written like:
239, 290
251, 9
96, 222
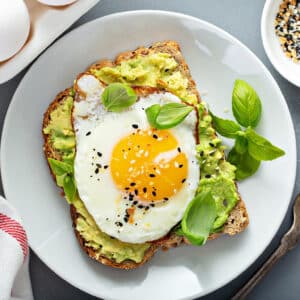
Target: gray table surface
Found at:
241, 18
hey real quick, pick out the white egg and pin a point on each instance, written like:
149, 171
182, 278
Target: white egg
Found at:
14, 27
138, 215
56, 2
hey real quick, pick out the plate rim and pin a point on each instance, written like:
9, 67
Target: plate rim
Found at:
233, 39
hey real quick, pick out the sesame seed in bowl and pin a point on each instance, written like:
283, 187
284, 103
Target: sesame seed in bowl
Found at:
280, 30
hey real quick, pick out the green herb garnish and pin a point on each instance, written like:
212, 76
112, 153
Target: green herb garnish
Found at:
168, 115
117, 97
199, 218
250, 148
246, 105
64, 174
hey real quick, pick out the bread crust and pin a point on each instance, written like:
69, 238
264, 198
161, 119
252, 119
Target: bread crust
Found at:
238, 219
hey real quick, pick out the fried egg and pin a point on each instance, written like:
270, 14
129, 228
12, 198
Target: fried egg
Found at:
135, 181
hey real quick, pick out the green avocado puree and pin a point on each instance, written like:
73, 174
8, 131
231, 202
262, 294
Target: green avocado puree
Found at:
217, 175
155, 70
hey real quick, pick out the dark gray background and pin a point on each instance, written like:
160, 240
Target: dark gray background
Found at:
241, 18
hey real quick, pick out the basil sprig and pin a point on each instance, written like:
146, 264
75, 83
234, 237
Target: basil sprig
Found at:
199, 218
168, 115
246, 105
250, 148
64, 174
117, 97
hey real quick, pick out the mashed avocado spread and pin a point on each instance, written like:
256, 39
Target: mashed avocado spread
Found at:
217, 175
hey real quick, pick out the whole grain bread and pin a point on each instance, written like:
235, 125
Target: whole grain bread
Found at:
238, 219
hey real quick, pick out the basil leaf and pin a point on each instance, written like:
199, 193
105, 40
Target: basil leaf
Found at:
245, 164
260, 148
169, 115
69, 188
152, 113
246, 105
199, 217
241, 144
224, 127
117, 97
59, 168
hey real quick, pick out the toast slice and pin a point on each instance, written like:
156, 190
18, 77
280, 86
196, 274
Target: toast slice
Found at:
238, 218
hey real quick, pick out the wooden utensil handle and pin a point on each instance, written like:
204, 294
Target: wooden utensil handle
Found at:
266, 267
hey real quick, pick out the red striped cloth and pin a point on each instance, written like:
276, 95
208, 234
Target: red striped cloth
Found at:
14, 229
14, 255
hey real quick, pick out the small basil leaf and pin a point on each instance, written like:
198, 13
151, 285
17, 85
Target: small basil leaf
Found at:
152, 113
224, 127
246, 105
241, 144
170, 115
117, 97
260, 148
199, 217
69, 188
245, 164
59, 168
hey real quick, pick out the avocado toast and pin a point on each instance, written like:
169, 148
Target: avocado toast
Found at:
216, 174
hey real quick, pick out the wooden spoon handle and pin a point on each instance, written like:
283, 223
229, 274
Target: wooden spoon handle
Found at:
266, 267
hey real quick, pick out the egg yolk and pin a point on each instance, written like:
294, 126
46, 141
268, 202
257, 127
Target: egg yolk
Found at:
149, 165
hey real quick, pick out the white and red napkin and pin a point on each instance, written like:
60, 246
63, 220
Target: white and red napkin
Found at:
14, 256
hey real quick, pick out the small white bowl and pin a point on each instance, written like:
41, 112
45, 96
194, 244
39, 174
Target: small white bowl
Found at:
284, 65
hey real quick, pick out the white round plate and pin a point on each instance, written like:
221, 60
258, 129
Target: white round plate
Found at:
284, 65
216, 59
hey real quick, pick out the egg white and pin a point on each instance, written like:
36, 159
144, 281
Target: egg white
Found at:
98, 131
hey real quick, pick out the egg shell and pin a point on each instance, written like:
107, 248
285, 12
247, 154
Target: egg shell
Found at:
14, 27
56, 2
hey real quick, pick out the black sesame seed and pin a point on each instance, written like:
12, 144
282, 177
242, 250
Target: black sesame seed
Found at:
183, 180
132, 184
211, 144
152, 204
99, 154
105, 167
166, 199
127, 188
152, 175
144, 189
201, 153
136, 192
140, 206
119, 224
153, 193
99, 166
180, 166
125, 219
96, 171
154, 136
147, 208
207, 176
88, 133
135, 126
135, 202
